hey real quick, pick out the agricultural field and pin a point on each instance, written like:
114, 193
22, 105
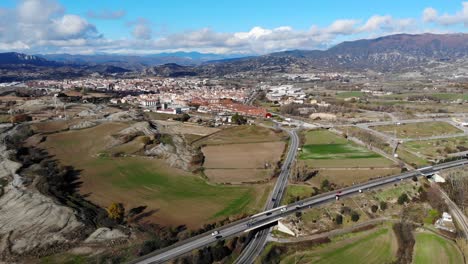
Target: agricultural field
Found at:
350, 94
374, 246
438, 147
173, 196
419, 130
346, 177
410, 158
242, 154
431, 248
242, 134
324, 149
441, 96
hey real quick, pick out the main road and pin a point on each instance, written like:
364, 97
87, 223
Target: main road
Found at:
273, 215
256, 245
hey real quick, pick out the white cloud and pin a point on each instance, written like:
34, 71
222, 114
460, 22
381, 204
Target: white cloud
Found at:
141, 29
35, 26
460, 17
41, 25
72, 25
342, 26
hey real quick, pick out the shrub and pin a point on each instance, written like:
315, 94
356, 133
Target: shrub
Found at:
403, 198
374, 208
116, 211
383, 206
355, 217
339, 219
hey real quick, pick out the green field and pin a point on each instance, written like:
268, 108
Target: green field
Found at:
441, 96
294, 191
420, 129
324, 148
431, 248
175, 196
438, 147
350, 94
377, 247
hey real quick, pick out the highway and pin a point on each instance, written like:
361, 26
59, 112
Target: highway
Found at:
270, 216
256, 245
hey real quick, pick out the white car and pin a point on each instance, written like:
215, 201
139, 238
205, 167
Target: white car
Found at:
215, 233
283, 209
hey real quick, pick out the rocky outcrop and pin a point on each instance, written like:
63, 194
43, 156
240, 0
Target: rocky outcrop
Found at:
105, 234
130, 115
83, 125
143, 128
178, 153
30, 222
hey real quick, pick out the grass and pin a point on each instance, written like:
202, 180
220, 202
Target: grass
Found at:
293, 191
4, 118
431, 248
350, 94
432, 215
394, 192
441, 96
374, 247
438, 147
420, 129
410, 158
175, 196
326, 149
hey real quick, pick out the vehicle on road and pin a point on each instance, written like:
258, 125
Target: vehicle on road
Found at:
215, 233
219, 236
283, 209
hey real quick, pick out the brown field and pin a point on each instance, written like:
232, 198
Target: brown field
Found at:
172, 196
346, 177
242, 134
236, 163
176, 127
242, 156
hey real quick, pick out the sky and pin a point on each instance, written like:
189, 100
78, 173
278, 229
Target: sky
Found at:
214, 26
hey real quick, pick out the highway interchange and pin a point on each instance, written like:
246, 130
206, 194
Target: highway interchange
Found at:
271, 216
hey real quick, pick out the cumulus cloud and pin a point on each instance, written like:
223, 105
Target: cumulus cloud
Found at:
141, 29
460, 17
37, 24
342, 26
106, 14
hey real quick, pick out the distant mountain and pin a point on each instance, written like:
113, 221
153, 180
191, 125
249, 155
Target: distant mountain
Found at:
14, 58
390, 53
134, 62
21, 67
394, 53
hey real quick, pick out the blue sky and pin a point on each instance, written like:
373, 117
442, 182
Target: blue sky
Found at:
241, 26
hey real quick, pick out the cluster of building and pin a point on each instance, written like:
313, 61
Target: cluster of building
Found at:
284, 94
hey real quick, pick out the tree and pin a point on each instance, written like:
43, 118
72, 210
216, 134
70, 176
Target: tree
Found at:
374, 208
383, 206
116, 212
354, 217
403, 198
238, 119
325, 184
339, 219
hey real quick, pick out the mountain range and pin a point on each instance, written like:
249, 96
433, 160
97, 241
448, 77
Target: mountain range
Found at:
393, 53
